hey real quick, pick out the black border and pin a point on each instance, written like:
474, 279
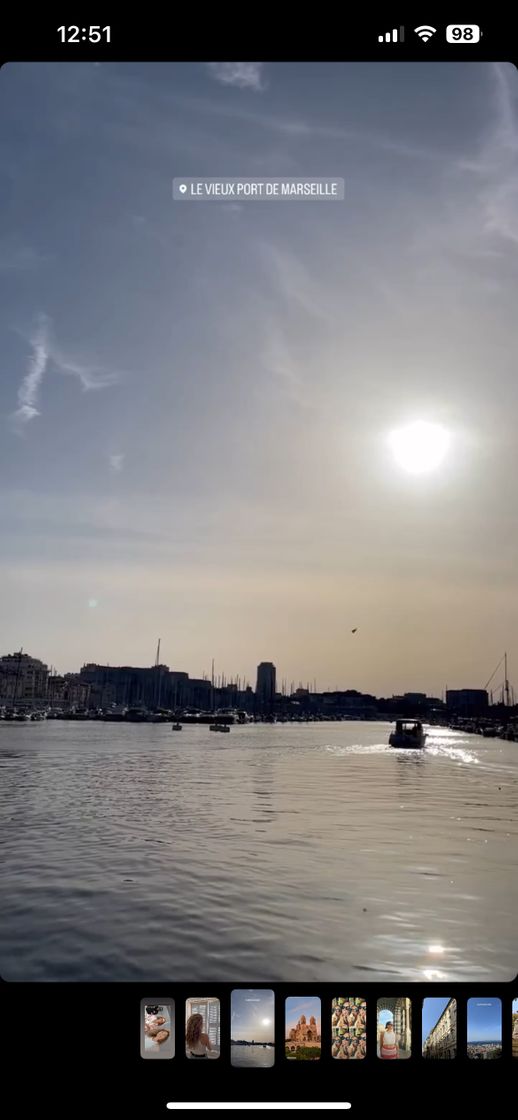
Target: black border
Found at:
340, 35
64, 1061
106, 1069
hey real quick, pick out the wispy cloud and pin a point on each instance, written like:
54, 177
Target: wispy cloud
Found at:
38, 361
494, 166
312, 130
245, 75
91, 377
45, 354
117, 463
16, 257
280, 362
500, 158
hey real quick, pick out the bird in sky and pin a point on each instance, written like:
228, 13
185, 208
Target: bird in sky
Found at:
354, 631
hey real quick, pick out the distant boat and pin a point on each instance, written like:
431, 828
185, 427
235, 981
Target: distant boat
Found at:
176, 727
137, 715
219, 727
408, 734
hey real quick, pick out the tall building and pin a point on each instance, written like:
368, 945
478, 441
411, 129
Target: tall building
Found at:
442, 1040
266, 685
23, 679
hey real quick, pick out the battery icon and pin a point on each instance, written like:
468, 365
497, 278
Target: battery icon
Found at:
464, 33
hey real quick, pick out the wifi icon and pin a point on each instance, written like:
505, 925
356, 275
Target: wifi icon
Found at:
425, 33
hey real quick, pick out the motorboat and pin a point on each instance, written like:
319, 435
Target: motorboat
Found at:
219, 727
176, 727
409, 733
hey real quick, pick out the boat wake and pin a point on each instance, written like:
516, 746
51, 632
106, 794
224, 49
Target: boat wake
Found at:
359, 748
456, 754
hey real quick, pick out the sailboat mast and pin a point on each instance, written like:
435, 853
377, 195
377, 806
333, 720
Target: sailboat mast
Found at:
506, 682
17, 675
159, 681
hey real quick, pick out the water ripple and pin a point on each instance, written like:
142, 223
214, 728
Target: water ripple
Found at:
294, 853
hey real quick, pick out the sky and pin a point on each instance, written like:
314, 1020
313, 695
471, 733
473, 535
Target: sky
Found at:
252, 1015
196, 399
300, 1005
433, 1008
484, 1020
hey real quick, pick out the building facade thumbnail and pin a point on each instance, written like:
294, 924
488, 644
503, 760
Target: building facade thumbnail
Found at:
303, 1034
442, 1040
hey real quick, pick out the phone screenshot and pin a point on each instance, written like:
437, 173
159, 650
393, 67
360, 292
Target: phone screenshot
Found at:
157, 1029
202, 1028
252, 1028
484, 1028
349, 1027
303, 1039
258, 556
394, 1028
439, 1027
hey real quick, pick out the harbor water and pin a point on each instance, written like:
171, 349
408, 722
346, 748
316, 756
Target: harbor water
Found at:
291, 852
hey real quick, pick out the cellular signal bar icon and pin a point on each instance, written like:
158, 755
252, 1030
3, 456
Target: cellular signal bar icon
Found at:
395, 36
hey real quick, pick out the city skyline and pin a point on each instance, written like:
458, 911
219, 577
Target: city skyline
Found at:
197, 401
15, 665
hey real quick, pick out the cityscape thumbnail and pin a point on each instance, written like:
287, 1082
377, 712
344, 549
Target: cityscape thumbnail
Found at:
484, 1028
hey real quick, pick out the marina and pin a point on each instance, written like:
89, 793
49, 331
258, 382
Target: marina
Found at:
307, 850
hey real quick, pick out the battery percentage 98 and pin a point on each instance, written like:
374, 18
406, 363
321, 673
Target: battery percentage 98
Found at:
464, 33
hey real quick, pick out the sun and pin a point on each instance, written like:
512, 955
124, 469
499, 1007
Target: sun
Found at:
420, 448
266, 1022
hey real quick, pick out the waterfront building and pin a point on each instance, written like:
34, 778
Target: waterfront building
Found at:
348, 702
442, 1040
266, 685
56, 690
127, 686
23, 680
467, 701
68, 691
201, 694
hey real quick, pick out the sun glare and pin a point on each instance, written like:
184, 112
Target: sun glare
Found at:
419, 448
